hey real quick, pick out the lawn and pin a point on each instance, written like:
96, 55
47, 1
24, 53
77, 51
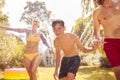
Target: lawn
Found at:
84, 73
94, 73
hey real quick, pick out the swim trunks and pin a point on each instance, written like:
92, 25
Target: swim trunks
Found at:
69, 64
112, 50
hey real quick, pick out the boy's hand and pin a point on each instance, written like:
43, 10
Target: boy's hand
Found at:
55, 75
95, 45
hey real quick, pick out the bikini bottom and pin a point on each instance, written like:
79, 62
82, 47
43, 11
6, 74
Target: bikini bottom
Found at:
30, 56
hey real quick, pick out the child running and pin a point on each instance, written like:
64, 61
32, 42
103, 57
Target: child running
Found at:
70, 45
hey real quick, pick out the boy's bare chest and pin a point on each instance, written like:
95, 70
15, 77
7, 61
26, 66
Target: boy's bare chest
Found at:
66, 42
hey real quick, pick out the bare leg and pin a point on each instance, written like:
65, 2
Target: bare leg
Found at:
34, 65
27, 63
70, 76
116, 71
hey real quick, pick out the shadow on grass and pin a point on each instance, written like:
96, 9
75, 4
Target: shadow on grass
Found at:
95, 73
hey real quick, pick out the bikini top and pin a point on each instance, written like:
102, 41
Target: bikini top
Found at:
33, 38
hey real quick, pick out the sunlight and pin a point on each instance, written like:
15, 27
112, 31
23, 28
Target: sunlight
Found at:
68, 11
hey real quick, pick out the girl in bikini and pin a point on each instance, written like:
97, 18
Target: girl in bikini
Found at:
32, 58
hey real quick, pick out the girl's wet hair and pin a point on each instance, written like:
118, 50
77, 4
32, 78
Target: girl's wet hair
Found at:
100, 2
58, 21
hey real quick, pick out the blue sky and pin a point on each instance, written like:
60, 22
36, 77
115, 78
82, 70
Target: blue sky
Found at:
68, 10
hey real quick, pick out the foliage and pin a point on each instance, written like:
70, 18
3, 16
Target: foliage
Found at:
80, 26
11, 49
36, 9
87, 7
104, 62
94, 60
3, 17
84, 23
2, 2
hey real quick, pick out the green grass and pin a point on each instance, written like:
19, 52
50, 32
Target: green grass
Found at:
94, 73
84, 73
1, 74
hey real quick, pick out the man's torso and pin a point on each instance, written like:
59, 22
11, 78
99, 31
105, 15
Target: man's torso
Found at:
110, 20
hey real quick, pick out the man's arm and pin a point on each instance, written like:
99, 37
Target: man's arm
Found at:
96, 26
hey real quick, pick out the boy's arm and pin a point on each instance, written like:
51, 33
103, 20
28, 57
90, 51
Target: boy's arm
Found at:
84, 49
58, 57
14, 29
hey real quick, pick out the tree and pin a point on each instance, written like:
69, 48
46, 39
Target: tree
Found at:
36, 9
3, 17
80, 27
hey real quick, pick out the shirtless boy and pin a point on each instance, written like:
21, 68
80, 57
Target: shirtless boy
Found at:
107, 14
69, 44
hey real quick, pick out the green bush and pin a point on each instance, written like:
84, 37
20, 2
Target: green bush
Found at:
11, 49
104, 62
